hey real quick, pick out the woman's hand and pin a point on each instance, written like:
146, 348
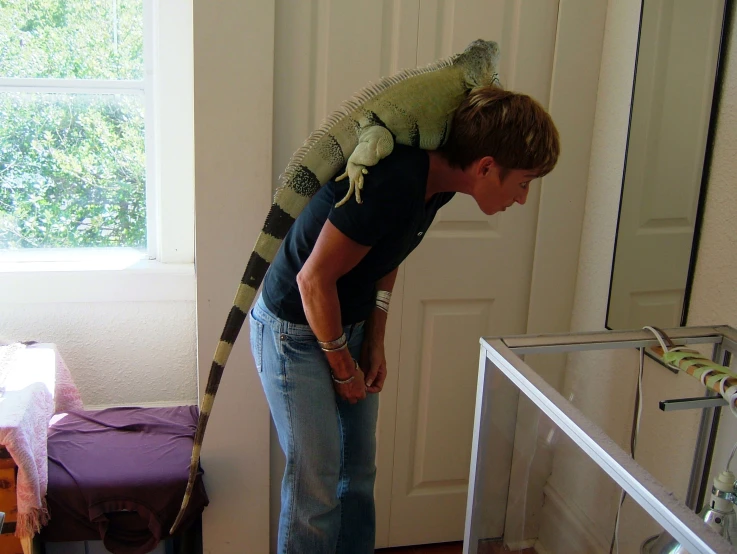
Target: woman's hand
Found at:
353, 391
343, 367
373, 359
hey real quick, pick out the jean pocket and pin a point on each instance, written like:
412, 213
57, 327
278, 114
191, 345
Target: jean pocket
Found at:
257, 341
299, 338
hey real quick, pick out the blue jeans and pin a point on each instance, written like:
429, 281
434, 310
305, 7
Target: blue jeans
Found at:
327, 494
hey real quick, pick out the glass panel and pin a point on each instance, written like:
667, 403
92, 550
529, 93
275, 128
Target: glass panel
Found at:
72, 170
71, 39
560, 501
537, 490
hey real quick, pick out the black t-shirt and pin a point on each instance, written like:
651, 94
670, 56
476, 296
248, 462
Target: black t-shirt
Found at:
392, 220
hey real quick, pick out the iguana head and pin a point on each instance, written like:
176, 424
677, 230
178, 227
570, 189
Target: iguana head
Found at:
480, 61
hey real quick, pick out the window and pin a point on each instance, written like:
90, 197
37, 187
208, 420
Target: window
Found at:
75, 125
108, 211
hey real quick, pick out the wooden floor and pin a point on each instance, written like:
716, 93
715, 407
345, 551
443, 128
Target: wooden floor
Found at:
445, 548
451, 548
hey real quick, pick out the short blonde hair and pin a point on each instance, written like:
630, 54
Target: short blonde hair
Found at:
512, 128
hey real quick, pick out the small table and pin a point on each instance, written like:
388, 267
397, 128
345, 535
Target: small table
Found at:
9, 543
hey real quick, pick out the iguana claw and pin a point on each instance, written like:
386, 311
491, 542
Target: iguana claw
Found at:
355, 173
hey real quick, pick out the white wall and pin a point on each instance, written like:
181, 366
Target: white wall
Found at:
603, 384
591, 376
573, 93
118, 353
233, 99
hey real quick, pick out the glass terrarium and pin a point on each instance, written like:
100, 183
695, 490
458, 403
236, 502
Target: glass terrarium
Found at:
604, 442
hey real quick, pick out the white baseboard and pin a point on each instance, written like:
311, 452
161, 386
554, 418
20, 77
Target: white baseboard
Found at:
540, 548
520, 545
565, 528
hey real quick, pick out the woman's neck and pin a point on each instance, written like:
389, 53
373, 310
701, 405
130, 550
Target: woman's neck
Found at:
441, 177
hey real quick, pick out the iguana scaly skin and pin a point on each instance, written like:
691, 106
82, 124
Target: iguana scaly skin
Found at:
414, 108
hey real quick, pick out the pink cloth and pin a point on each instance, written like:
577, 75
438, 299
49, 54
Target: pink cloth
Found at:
66, 394
35, 383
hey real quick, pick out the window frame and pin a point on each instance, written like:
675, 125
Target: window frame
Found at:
169, 142
150, 31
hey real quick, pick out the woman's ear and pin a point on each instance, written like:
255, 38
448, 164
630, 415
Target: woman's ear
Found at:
486, 164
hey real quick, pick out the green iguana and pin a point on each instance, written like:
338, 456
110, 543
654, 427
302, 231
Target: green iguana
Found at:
414, 108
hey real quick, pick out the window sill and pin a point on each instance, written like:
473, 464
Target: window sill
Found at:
90, 280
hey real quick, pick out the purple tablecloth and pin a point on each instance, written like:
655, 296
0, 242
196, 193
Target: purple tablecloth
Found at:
119, 475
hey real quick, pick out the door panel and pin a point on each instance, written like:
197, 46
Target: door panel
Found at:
325, 51
469, 278
460, 284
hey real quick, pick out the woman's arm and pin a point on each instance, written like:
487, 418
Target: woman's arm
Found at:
373, 359
333, 255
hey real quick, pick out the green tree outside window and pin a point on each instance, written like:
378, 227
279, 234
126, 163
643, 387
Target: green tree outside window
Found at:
72, 166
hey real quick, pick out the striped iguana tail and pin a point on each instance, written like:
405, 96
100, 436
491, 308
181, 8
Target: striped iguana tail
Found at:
278, 222
323, 154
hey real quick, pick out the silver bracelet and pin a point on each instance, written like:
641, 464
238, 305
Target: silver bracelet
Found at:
382, 300
333, 345
343, 346
345, 381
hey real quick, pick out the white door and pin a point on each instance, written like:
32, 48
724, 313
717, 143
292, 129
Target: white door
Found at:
469, 278
324, 52
665, 154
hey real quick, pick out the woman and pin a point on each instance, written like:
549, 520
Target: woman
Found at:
317, 330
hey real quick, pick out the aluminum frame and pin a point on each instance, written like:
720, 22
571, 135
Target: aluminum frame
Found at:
501, 354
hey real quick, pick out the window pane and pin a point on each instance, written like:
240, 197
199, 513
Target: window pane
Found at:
85, 39
72, 170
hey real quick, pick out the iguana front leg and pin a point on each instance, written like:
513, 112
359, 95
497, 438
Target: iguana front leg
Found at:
374, 143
